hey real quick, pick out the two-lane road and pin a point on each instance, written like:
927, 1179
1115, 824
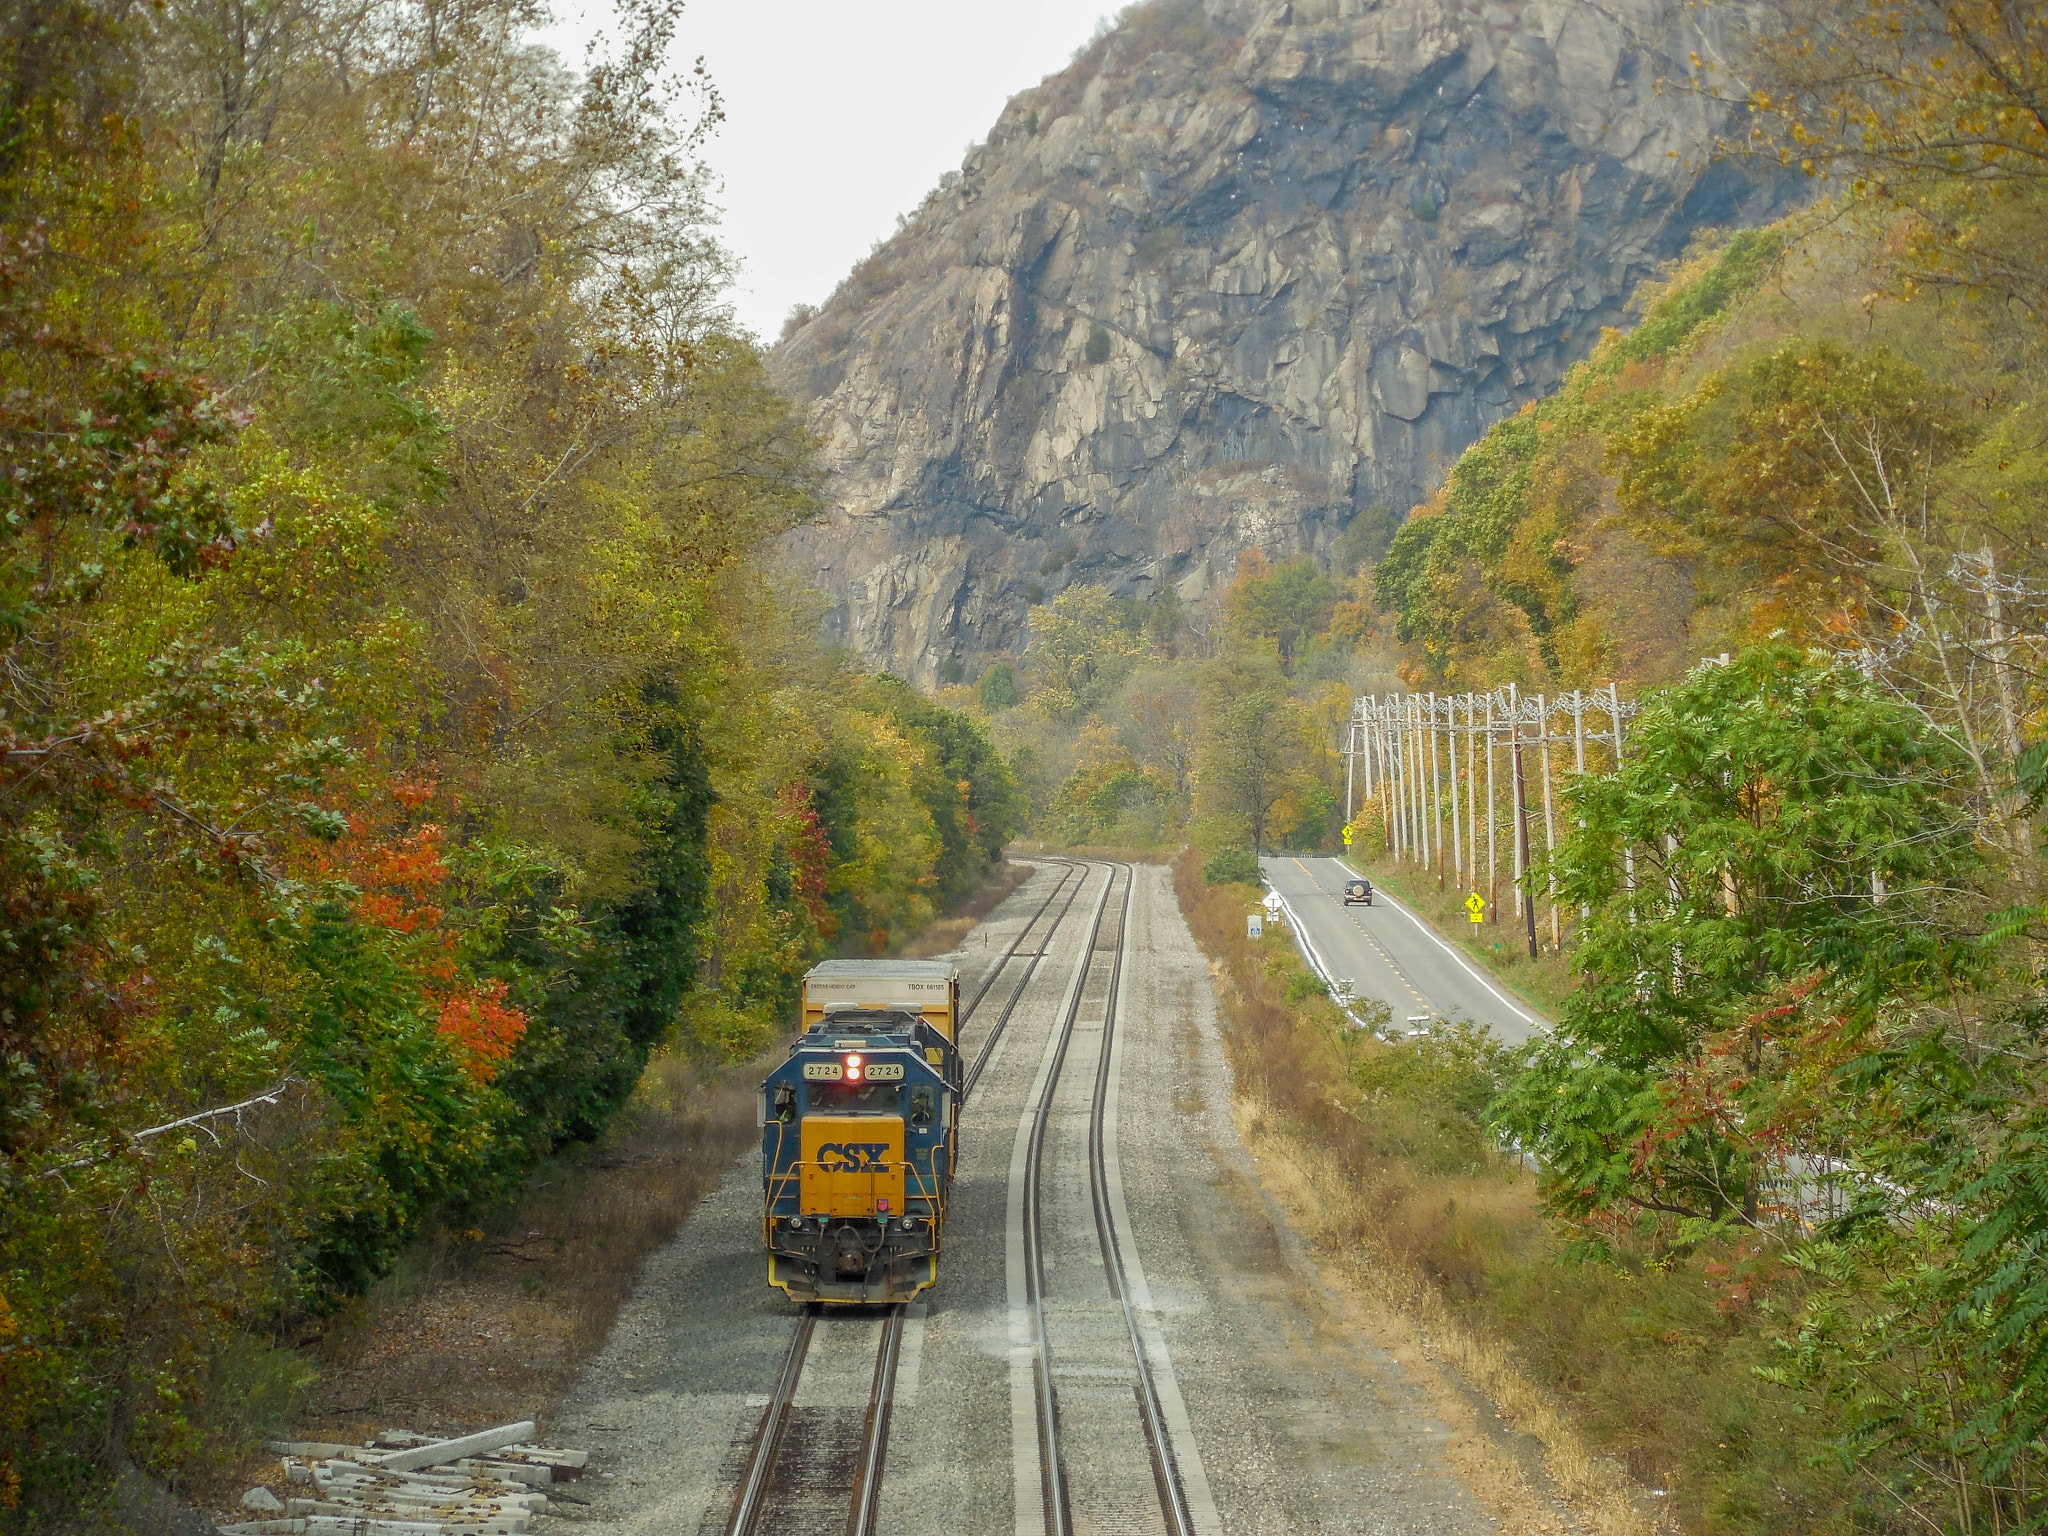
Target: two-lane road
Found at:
1389, 953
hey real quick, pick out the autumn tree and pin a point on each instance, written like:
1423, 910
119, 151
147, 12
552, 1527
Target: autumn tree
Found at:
1082, 646
1935, 111
1283, 604
404, 730
1775, 820
1251, 747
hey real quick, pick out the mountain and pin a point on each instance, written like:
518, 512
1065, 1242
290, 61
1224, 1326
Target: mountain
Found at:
1244, 270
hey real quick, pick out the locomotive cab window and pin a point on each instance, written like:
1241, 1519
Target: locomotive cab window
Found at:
921, 1106
854, 1098
785, 1102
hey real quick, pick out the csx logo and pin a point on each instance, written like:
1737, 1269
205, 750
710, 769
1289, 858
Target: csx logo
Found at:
852, 1156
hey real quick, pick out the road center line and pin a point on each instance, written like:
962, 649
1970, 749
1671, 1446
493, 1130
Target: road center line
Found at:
1433, 937
1379, 949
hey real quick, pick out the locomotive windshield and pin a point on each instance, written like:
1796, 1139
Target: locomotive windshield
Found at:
854, 1098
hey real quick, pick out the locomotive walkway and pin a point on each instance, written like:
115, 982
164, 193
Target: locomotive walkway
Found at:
1199, 1379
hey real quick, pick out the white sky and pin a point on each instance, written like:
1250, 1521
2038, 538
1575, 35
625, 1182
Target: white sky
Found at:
841, 115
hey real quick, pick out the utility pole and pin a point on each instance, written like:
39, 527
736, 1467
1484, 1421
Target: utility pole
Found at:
1350, 763
1521, 820
1472, 789
1549, 823
1628, 852
1397, 758
1418, 834
1579, 762
1451, 743
1492, 824
1436, 793
1515, 793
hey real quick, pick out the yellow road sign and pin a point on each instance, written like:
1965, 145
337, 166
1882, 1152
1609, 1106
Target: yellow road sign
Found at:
1476, 905
1347, 834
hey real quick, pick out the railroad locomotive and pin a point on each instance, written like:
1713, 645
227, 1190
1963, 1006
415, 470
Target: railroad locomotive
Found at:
859, 1131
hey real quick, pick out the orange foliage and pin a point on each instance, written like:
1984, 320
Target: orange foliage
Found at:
484, 1028
397, 872
399, 875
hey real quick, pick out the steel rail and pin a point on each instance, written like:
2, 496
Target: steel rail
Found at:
1051, 1464
1067, 868
995, 1031
746, 1504
1165, 1470
867, 1487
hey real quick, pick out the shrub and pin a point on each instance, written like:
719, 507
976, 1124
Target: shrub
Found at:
998, 688
1303, 985
1231, 866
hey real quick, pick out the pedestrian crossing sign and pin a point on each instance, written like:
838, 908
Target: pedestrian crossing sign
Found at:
1475, 904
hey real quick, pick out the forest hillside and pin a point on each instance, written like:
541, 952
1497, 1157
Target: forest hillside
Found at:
404, 731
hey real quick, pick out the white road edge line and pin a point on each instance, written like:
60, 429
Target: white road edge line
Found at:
1187, 1455
1435, 938
1309, 952
1030, 1494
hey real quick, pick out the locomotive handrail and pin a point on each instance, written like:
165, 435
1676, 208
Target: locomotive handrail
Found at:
926, 1186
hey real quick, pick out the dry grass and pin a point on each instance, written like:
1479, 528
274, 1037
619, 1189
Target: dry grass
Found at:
945, 935
1637, 1380
1401, 1304
492, 1323
1290, 1116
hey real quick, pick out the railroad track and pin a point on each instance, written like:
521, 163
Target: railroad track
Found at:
1177, 1510
766, 1486
780, 1490
1079, 872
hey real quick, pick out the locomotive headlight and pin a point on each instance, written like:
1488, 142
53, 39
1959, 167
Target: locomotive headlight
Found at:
853, 1069
796, 1222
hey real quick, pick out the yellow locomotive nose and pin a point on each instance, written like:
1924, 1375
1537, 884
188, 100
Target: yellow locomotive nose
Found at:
852, 1165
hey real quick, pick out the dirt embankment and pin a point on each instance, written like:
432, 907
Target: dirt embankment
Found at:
491, 1323
1636, 1376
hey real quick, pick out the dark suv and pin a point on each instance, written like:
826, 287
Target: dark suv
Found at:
1357, 893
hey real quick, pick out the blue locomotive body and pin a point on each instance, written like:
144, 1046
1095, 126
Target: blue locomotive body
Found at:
859, 1136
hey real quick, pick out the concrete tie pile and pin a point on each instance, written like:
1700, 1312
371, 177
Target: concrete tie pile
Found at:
492, 1483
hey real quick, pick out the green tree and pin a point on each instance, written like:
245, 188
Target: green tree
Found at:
997, 689
965, 784
1282, 603
1365, 538
1777, 822
1250, 746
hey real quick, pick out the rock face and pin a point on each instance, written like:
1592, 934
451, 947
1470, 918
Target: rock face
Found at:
1243, 269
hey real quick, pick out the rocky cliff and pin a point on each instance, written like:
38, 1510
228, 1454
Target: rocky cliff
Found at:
1244, 269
